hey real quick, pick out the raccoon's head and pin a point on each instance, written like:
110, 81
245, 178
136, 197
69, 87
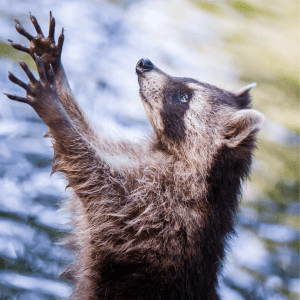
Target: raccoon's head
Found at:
188, 115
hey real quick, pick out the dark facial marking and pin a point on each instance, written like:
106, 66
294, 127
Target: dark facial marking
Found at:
176, 98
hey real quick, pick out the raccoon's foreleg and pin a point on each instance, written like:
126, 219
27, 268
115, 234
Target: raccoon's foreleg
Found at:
50, 54
74, 155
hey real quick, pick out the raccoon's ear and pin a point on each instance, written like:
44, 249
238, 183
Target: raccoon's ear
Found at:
243, 95
244, 90
241, 125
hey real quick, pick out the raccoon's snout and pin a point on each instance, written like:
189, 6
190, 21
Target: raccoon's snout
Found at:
144, 65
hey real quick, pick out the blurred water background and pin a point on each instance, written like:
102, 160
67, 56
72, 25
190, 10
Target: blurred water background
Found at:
227, 43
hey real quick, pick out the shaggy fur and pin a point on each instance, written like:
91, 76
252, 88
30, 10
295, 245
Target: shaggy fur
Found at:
151, 220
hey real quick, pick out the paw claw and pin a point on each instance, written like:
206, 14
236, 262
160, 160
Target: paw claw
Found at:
8, 96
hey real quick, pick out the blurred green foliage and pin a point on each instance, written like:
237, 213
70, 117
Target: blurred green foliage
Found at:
263, 38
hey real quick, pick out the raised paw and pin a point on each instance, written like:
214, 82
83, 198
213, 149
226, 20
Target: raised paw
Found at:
42, 46
40, 94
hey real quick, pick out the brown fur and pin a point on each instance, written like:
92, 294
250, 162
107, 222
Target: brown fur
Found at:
151, 220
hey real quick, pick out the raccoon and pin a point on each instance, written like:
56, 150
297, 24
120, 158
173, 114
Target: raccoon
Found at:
151, 219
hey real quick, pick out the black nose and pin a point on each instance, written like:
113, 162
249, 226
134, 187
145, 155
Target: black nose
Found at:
144, 65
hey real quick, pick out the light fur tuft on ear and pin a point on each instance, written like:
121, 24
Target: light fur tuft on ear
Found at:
244, 90
240, 125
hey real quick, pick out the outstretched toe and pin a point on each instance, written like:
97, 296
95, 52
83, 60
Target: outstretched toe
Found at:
51, 28
27, 71
16, 98
41, 69
17, 81
22, 31
61, 40
19, 47
36, 24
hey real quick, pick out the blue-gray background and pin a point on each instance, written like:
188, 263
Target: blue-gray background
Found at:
228, 44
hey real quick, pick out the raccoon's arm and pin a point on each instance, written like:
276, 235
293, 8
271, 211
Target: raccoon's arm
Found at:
85, 166
45, 48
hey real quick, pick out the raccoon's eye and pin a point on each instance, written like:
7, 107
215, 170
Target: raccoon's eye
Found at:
184, 97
